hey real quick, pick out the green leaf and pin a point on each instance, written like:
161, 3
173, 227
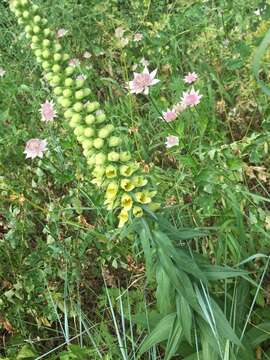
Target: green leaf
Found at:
184, 315
160, 333
258, 59
26, 352
174, 340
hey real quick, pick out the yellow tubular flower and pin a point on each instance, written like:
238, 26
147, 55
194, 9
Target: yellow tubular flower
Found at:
127, 185
111, 191
139, 181
126, 202
123, 218
128, 170
137, 211
144, 197
111, 172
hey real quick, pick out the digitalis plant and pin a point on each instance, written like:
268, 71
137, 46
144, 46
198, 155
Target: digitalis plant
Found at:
125, 185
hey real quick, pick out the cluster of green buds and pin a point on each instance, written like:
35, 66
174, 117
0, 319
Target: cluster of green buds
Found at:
124, 183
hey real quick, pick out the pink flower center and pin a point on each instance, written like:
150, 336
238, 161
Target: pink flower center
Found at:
47, 111
34, 146
142, 80
170, 115
191, 99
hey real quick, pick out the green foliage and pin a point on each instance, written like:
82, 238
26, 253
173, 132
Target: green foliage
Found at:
206, 251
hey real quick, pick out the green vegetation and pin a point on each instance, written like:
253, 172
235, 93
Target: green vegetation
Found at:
186, 274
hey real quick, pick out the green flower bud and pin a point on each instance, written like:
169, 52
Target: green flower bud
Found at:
87, 144
56, 68
56, 80
68, 114
76, 118
34, 46
113, 156
57, 47
114, 141
37, 19
79, 130
36, 29
69, 82
20, 21
28, 29
65, 57
57, 57
88, 132
104, 132
69, 70
100, 116
46, 43
86, 92
79, 95
35, 39
49, 76
98, 143
45, 65
35, 8
80, 138
47, 32
67, 93
60, 99
46, 54
79, 82
24, 2
89, 119
92, 106
57, 91
38, 53
25, 14
125, 156
100, 159
65, 103
78, 106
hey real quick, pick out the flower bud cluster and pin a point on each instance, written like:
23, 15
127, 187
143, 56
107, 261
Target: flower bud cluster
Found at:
124, 184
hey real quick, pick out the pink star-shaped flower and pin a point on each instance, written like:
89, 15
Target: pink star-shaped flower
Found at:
47, 111
191, 98
171, 141
169, 115
138, 37
190, 78
34, 148
142, 81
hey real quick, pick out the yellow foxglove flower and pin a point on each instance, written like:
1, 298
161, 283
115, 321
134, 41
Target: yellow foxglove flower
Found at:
111, 171
128, 170
98, 171
143, 197
139, 181
109, 204
111, 191
126, 202
123, 218
137, 211
127, 185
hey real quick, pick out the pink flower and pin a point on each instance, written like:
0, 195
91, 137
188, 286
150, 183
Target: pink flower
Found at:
81, 77
190, 78
142, 82
119, 32
61, 32
74, 62
2, 72
191, 98
179, 107
87, 55
47, 111
171, 141
138, 37
169, 115
34, 148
